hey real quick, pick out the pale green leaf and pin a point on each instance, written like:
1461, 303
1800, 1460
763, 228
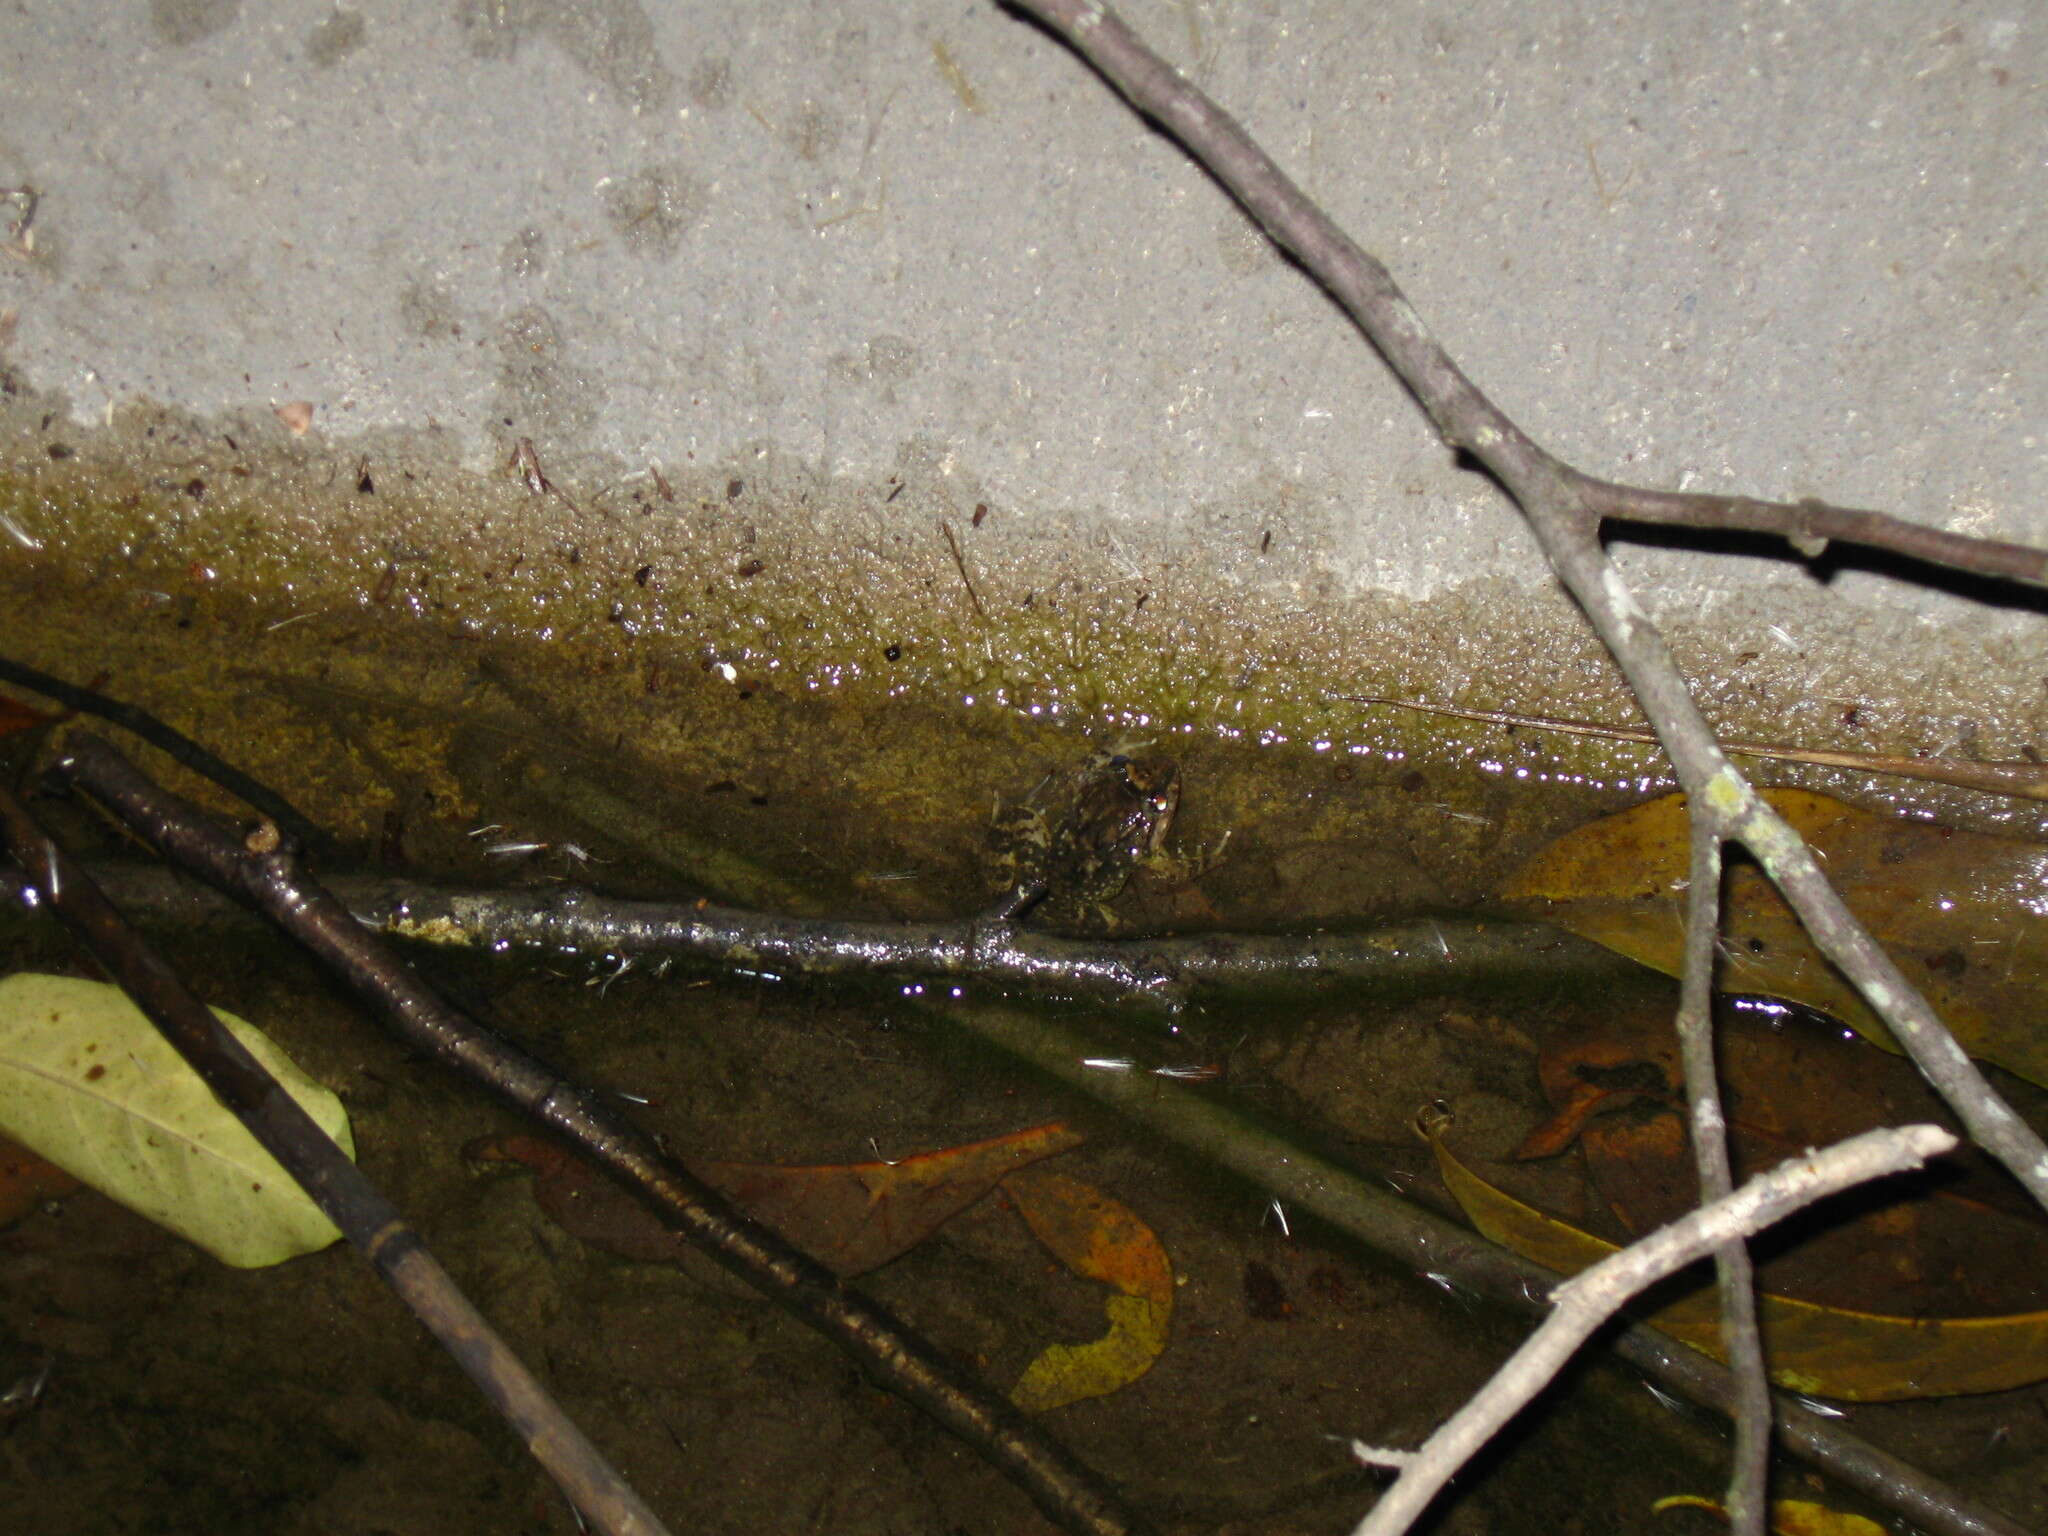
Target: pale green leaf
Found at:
87, 1082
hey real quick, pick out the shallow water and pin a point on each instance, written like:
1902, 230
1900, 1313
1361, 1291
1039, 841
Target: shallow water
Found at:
659, 763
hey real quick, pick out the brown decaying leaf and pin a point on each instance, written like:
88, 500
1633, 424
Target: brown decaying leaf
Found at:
850, 1217
1959, 1239
17, 716
1822, 1351
1965, 914
27, 1180
1099, 1238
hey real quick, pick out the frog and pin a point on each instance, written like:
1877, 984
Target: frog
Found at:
1067, 850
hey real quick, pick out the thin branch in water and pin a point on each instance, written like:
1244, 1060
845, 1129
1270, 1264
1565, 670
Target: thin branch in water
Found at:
960, 564
173, 743
1564, 508
390, 1244
1587, 1300
1159, 975
1282, 1167
1749, 1484
2018, 780
271, 881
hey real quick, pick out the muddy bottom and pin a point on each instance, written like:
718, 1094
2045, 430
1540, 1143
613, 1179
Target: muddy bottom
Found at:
186, 1396
183, 1395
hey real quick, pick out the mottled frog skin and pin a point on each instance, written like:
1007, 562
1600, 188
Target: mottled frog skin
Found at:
1080, 835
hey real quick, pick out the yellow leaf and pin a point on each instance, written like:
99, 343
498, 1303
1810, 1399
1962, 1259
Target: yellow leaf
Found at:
1101, 1239
1789, 1517
1823, 1351
1964, 914
87, 1082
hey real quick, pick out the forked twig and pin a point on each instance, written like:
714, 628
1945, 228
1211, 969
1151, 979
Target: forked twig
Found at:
1565, 509
1590, 1297
388, 1243
272, 881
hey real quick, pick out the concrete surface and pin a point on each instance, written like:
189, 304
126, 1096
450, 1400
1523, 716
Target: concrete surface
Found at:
1789, 249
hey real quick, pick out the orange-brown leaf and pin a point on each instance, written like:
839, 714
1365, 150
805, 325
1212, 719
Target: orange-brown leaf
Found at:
1825, 1351
1102, 1239
26, 1180
1958, 1239
851, 1217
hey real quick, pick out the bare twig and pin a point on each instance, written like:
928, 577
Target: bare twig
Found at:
1161, 974
175, 744
271, 881
370, 1222
1589, 1298
1564, 508
1749, 1484
1809, 526
2020, 780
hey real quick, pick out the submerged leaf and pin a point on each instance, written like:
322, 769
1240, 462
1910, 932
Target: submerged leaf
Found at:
860, 1216
850, 1217
1823, 1351
1957, 1238
1789, 1517
1101, 1239
87, 1081
1964, 914
854, 1217
26, 1180
17, 716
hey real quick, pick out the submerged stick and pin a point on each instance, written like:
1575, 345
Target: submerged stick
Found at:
1069, 1493
1591, 1297
1312, 1185
1734, 1274
370, 1222
2020, 781
1159, 975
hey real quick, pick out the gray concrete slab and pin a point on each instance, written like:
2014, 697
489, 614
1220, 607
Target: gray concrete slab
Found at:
1787, 249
